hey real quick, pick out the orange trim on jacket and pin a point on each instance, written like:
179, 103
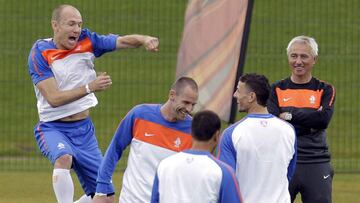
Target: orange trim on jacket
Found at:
161, 136
51, 55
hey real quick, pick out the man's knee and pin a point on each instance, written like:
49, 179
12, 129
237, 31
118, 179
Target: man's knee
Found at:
64, 161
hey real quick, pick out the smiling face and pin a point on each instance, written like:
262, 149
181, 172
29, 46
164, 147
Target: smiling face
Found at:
67, 28
183, 102
301, 61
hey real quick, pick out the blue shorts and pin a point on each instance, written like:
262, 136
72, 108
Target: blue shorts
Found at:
77, 139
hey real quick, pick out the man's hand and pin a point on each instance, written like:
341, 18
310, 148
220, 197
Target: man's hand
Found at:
102, 82
286, 116
151, 43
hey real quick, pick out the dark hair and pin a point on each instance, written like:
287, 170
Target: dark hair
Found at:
258, 84
204, 125
183, 82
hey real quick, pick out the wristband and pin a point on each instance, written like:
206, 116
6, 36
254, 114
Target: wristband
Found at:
99, 194
87, 89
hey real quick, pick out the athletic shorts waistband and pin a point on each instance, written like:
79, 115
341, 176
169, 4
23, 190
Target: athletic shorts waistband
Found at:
69, 123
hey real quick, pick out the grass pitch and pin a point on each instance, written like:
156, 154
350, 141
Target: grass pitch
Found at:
35, 187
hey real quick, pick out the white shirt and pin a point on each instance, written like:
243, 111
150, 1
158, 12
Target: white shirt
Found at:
195, 176
262, 150
70, 68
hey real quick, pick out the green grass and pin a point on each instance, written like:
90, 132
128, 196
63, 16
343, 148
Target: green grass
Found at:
29, 187
139, 76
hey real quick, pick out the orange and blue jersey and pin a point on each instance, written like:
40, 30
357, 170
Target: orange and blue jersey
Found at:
70, 68
151, 138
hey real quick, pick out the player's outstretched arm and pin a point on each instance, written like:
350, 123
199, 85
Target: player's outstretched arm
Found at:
133, 41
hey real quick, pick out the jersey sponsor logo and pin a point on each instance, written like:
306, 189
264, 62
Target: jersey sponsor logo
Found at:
286, 99
148, 134
325, 177
60, 146
53, 58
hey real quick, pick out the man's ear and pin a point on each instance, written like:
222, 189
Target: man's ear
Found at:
252, 97
54, 25
315, 59
172, 95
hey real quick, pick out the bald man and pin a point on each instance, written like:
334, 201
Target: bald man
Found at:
64, 78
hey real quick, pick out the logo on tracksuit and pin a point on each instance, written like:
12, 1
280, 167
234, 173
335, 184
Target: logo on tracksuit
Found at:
60, 146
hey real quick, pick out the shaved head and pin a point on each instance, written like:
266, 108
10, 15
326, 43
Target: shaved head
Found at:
57, 13
183, 82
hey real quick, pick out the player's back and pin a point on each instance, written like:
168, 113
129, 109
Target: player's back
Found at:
187, 177
264, 146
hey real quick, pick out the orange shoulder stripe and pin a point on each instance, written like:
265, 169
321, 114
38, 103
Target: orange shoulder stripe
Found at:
161, 136
51, 55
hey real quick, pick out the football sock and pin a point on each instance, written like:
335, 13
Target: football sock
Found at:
63, 185
84, 199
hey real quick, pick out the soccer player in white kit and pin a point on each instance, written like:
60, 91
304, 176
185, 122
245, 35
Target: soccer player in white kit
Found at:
261, 147
152, 132
195, 175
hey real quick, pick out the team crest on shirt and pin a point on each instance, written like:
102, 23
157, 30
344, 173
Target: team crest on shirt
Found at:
312, 99
263, 123
60, 146
177, 142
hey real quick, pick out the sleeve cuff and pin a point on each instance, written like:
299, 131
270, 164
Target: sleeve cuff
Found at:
105, 188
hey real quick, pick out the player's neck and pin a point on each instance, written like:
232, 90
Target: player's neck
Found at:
56, 42
258, 109
166, 112
202, 146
